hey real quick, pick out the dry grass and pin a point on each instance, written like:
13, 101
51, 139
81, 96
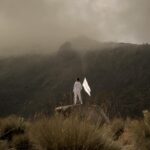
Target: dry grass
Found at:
21, 142
74, 133
71, 133
3, 145
140, 130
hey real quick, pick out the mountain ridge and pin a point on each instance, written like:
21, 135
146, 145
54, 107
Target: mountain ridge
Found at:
119, 78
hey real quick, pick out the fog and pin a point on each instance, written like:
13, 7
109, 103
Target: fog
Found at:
43, 25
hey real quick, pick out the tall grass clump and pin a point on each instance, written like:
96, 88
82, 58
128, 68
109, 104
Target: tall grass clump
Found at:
3, 145
21, 142
72, 133
116, 128
140, 130
11, 126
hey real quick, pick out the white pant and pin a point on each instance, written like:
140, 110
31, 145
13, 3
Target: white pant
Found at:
77, 94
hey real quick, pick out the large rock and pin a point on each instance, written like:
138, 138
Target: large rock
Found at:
91, 112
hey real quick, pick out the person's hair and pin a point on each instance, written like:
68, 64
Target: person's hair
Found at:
78, 79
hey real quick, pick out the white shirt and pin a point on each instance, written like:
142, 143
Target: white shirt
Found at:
77, 87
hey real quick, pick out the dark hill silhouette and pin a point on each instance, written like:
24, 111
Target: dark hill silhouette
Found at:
119, 78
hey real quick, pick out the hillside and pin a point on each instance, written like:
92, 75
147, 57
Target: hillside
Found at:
118, 75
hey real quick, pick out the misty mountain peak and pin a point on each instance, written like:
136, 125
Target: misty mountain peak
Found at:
66, 46
84, 43
67, 51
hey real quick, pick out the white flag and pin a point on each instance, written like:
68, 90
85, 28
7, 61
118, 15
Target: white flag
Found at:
86, 87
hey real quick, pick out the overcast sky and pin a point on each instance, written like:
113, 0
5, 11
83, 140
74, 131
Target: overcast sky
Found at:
48, 23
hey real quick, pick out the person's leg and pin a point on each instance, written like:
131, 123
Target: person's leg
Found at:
75, 98
80, 98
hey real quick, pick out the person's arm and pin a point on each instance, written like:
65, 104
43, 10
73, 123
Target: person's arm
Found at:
74, 87
80, 86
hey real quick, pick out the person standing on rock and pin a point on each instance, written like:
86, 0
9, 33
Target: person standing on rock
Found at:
77, 91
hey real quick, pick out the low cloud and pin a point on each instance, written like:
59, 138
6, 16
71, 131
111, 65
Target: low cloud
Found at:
48, 23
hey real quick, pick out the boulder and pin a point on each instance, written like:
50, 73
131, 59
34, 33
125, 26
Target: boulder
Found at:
92, 113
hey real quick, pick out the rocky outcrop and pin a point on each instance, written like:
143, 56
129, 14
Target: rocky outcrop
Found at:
92, 112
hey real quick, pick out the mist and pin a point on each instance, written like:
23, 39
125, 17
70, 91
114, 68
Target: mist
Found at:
43, 25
